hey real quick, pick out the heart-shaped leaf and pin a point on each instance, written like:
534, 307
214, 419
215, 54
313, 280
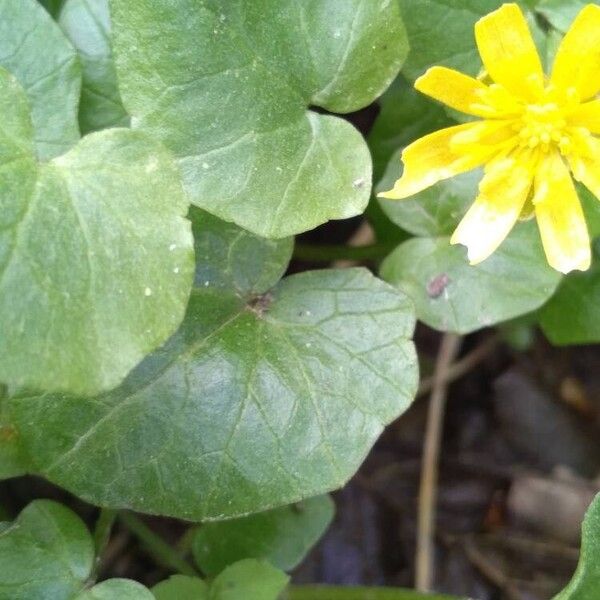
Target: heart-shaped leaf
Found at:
451, 295
250, 580
37, 53
262, 398
227, 86
87, 24
96, 256
181, 587
282, 536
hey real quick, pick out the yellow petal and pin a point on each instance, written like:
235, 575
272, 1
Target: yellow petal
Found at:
446, 153
577, 63
587, 115
502, 195
587, 168
560, 217
454, 89
509, 53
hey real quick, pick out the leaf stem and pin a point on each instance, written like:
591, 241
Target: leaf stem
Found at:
102, 531
163, 553
449, 349
356, 593
330, 252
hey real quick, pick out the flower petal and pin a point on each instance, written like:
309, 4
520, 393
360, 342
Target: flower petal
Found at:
587, 115
577, 63
454, 89
560, 217
509, 53
446, 153
502, 195
586, 169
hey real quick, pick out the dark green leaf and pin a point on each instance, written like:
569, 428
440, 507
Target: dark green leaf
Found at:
586, 581
227, 86
282, 536
96, 256
250, 580
36, 52
451, 295
260, 399
47, 554
87, 24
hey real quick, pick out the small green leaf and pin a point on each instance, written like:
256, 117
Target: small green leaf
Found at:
96, 256
181, 587
451, 295
250, 580
282, 536
47, 554
37, 53
228, 86
586, 581
260, 399
561, 13
573, 314
118, 589
87, 24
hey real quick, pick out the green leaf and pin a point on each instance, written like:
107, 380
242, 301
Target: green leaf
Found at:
47, 554
451, 295
250, 580
228, 85
282, 536
87, 24
95, 255
325, 592
52, 6
436, 210
573, 314
181, 587
36, 52
12, 461
586, 581
118, 589
260, 399
561, 13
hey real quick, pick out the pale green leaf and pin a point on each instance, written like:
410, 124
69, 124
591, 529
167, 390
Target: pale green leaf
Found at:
87, 24
561, 13
228, 86
47, 554
586, 581
181, 587
37, 53
282, 536
12, 461
118, 589
250, 580
95, 255
451, 295
260, 399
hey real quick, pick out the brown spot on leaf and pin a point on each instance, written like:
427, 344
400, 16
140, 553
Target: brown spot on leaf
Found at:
437, 285
260, 304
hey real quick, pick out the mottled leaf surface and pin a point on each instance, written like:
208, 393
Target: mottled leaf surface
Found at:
96, 256
87, 24
262, 398
282, 536
37, 53
451, 295
228, 85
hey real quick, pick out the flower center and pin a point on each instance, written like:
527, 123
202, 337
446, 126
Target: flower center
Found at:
543, 126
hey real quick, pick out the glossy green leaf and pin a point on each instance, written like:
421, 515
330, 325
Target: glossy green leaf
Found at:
262, 398
250, 580
95, 255
573, 314
181, 587
228, 85
282, 536
434, 211
37, 53
561, 13
586, 581
87, 24
451, 295
46, 554
118, 589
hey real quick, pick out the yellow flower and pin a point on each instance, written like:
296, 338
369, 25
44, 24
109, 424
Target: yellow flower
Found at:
533, 133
